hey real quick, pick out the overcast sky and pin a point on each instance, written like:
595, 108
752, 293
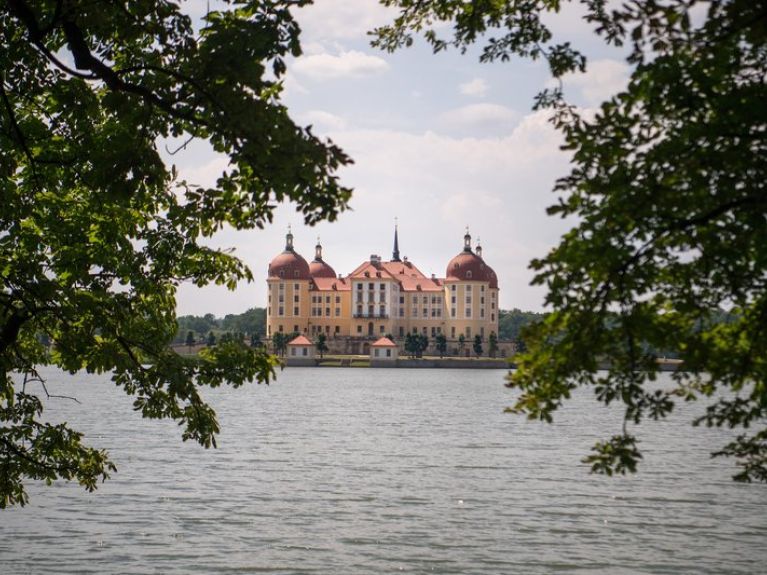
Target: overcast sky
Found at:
440, 142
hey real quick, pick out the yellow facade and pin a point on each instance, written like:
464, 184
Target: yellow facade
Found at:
382, 297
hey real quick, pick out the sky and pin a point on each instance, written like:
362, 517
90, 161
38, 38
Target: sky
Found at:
440, 142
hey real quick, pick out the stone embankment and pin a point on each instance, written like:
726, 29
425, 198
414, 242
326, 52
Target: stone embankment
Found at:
420, 363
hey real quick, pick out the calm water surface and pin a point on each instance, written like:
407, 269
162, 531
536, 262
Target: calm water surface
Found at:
355, 471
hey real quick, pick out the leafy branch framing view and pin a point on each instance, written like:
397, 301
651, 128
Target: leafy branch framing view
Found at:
668, 189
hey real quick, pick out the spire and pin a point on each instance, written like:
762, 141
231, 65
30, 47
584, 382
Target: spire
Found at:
289, 240
467, 241
318, 251
395, 253
478, 249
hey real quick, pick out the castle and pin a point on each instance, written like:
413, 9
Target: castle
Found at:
382, 297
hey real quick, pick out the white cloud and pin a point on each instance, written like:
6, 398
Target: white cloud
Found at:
476, 87
291, 86
311, 48
478, 116
206, 174
325, 121
602, 79
342, 19
347, 64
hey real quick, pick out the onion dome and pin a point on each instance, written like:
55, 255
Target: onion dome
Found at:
289, 264
318, 268
470, 266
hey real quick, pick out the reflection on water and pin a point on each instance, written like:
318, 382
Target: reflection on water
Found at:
355, 471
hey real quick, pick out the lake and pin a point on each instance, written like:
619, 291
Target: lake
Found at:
356, 471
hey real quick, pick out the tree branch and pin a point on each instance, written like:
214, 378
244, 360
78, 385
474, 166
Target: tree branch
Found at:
19, 133
85, 60
10, 331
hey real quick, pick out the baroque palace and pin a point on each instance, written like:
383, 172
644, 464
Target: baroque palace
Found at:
382, 297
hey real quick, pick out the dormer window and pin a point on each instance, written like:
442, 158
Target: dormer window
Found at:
282, 273
295, 273
468, 275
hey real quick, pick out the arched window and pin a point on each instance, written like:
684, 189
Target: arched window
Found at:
468, 275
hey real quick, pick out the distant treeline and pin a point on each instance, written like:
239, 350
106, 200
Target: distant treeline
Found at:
511, 322
253, 322
244, 325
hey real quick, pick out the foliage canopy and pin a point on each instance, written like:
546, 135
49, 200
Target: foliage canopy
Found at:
668, 192
96, 231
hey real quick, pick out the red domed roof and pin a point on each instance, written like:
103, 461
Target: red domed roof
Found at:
469, 266
289, 265
319, 269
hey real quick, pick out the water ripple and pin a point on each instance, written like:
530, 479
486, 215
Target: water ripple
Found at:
356, 471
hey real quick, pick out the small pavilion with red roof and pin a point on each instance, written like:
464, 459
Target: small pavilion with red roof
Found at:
383, 350
300, 351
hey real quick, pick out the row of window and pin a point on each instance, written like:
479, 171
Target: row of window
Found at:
467, 333
296, 273
433, 331
281, 329
434, 312
371, 296
318, 299
319, 329
467, 313
426, 312
382, 287
371, 286
281, 311
371, 310
317, 312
